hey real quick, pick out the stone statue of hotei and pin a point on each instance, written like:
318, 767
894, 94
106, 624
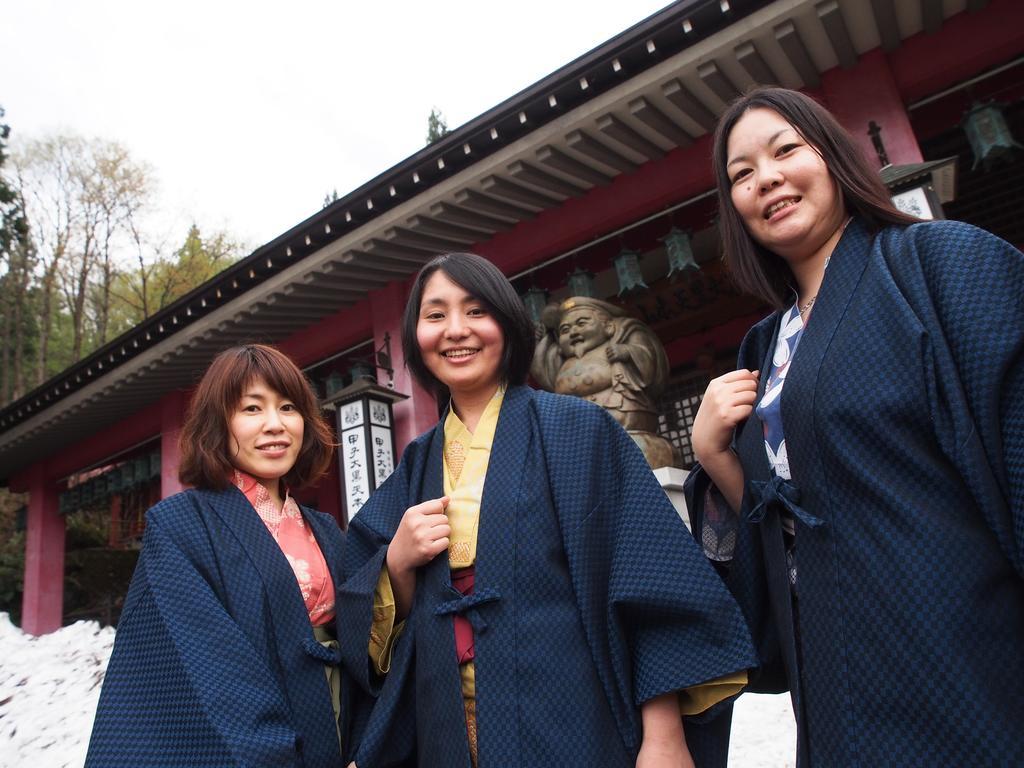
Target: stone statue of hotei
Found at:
592, 349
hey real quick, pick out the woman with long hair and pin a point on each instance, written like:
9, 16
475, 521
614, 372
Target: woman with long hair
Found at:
861, 474
226, 651
550, 608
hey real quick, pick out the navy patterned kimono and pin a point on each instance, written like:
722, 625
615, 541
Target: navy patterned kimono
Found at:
590, 599
214, 663
904, 420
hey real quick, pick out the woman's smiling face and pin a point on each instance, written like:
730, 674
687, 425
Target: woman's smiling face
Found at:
266, 432
461, 342
781, 187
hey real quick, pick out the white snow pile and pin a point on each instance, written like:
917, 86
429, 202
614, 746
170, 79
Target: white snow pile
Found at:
763, 732
49, 687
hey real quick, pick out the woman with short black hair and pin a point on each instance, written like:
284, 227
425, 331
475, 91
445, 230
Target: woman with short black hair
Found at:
493, 289
861, 474
556, 612
226, 651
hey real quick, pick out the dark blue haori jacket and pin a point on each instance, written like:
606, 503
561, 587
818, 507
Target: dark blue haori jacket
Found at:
590, 599
903, 412
214, 662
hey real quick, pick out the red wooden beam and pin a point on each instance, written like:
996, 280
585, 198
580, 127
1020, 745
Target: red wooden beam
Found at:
136, 428
966, 45
681, 174
334, 333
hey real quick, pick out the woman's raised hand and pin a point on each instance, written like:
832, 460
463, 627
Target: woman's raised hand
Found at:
421, 536
728, 400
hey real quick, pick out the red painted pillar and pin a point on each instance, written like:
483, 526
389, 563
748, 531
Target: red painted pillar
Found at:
42, 604
419, 412
172, 415
867, 92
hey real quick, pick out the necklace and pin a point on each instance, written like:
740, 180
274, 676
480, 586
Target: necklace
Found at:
810, 302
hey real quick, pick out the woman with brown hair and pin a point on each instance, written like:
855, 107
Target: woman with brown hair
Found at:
861, 476
229, 623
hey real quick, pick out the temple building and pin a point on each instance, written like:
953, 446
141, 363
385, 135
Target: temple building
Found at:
594, 181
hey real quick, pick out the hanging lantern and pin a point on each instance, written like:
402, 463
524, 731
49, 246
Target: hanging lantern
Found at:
115, 483
535, 299
333, 384
362, 370
581, 283
627, 270
141, 470
680, 253
99, 491
988, 134
128, 475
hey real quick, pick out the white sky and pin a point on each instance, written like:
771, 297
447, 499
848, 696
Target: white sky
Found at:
250, 112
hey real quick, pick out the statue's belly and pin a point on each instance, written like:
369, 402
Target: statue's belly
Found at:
583, 378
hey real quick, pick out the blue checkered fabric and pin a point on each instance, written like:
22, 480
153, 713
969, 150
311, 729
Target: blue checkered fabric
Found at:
604, 600
214, 663
904, 419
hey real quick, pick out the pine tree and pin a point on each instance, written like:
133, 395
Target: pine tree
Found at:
15, 276
437, 126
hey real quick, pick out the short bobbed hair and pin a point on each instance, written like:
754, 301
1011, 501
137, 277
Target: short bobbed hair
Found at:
755, 269
205, 441
481, 279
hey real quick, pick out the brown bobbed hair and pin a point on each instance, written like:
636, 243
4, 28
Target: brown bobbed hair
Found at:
205, 441
481, 279
755, 269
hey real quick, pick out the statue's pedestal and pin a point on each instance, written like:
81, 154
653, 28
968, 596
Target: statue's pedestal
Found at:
671, 479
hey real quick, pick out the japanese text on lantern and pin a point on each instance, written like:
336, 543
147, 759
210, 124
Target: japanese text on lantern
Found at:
383, 460
354, 463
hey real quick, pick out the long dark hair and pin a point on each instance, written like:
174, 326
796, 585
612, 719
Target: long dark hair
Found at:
755, 269
483, 280
205, 441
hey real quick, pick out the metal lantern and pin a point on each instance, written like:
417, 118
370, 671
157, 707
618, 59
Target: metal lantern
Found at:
141, 470
535, 299
99, 488
130, 480
680, 253
366, 441
333, 384
627, 270
115, 480
361, 369
581, 283
988, 134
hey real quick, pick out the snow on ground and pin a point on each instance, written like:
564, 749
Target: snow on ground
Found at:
49, 687
763, 732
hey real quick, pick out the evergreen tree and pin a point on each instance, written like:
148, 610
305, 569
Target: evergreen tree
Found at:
437, 126
154, 284
15, 275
